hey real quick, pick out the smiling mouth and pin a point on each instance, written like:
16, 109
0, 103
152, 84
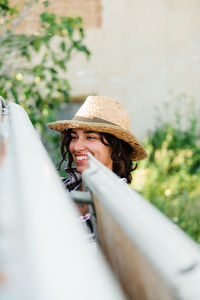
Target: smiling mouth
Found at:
81, 158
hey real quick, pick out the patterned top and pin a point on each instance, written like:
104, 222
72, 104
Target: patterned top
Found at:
71, 184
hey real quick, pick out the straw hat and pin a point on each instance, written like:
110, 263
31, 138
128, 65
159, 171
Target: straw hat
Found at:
104, 114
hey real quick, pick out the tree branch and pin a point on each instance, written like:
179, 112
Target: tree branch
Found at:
21, 16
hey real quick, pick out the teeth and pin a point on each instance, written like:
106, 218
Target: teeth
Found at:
81, 157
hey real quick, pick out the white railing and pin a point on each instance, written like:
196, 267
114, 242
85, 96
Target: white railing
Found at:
153, 258
44, 254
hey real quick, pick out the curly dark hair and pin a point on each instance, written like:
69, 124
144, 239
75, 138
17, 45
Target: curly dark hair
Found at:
121, 152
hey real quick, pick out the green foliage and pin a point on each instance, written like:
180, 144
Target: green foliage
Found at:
170, 176
33, 68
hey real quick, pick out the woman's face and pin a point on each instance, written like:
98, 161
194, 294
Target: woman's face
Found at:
84, 141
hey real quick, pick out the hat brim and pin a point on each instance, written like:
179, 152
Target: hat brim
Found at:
139, 152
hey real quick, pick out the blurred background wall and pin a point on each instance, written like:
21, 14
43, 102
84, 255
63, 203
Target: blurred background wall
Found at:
144, 53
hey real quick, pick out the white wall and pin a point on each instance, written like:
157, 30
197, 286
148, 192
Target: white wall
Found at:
144, 51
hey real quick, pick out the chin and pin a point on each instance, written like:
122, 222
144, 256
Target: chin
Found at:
81, 169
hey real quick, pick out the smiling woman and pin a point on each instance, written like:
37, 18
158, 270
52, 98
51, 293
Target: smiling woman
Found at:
102, 127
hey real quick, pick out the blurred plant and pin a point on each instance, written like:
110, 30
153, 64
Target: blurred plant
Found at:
33, 68
169, 178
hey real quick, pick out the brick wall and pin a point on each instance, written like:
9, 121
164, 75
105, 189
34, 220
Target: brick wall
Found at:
89, 10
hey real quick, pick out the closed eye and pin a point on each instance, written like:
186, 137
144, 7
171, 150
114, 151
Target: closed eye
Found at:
93, 136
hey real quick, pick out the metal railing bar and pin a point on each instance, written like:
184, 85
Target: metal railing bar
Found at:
168, 250
44, 251
81, 197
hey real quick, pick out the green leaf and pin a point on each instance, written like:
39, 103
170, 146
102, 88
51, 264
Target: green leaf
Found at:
14, 94
47, 17
61, 64
63, 46
46, 3
36, 44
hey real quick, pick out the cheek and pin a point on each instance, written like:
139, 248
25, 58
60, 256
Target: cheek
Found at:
107, 153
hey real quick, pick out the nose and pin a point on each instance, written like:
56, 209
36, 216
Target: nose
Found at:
79, 145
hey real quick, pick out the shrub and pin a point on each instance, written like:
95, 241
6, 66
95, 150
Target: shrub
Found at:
33, 67
169, 178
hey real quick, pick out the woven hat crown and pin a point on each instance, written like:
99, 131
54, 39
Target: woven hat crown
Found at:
105, 110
